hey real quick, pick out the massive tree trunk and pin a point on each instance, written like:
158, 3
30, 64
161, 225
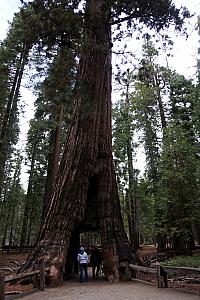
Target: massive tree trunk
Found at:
87, 158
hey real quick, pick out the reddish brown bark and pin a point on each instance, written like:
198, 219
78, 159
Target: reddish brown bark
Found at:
87, 155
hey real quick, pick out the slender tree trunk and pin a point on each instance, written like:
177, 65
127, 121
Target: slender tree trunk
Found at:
9, 106
136, 216
11, 227
29, 227
151, 149
134, 207
160, 104
128, 209
196, 228
161, 109
5, 212
11, 110
53, 156
123, 201
5, 234
24, 232
15, 202
88, 153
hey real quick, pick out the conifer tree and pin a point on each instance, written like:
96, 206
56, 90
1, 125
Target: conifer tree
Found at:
86, 177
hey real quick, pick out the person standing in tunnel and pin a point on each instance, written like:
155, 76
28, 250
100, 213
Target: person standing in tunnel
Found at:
96, 261
83, 263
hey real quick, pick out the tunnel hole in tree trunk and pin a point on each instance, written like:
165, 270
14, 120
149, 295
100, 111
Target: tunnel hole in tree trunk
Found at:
71, 266
86, 233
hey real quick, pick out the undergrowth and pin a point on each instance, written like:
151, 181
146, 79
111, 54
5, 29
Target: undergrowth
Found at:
183, 261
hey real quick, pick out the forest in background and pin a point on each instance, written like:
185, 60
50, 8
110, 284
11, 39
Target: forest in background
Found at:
156, 104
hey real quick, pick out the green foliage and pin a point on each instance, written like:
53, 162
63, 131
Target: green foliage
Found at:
147, 212
163, 108
54, 92
183, 261
154, 14
146, 106
12, 205
178, 185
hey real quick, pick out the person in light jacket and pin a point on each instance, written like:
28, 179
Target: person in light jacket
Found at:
83, 263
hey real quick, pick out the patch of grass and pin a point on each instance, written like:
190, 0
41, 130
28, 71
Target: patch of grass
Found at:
183, 261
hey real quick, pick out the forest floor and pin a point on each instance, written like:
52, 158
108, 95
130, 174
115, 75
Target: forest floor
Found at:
102, 290
73, 290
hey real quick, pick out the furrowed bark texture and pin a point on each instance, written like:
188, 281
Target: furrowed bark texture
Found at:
87, 155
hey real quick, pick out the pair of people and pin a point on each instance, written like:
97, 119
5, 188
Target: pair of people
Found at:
95, 260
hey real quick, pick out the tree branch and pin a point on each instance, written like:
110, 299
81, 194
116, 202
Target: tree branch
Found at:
134, 15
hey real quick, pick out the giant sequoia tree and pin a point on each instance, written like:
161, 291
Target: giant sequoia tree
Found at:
86, 177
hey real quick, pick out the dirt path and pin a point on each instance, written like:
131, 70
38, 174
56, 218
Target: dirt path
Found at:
101, 290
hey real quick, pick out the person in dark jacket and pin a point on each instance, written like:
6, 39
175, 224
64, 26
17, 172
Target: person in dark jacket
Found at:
96, 261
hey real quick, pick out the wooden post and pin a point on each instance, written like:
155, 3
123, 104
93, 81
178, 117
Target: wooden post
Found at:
158, 275
2, 295
35, 281
42, 277
164, 275
127, 273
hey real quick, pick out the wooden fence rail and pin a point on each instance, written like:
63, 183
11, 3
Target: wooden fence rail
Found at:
34, 274
160, 271
181, 270
149, 270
